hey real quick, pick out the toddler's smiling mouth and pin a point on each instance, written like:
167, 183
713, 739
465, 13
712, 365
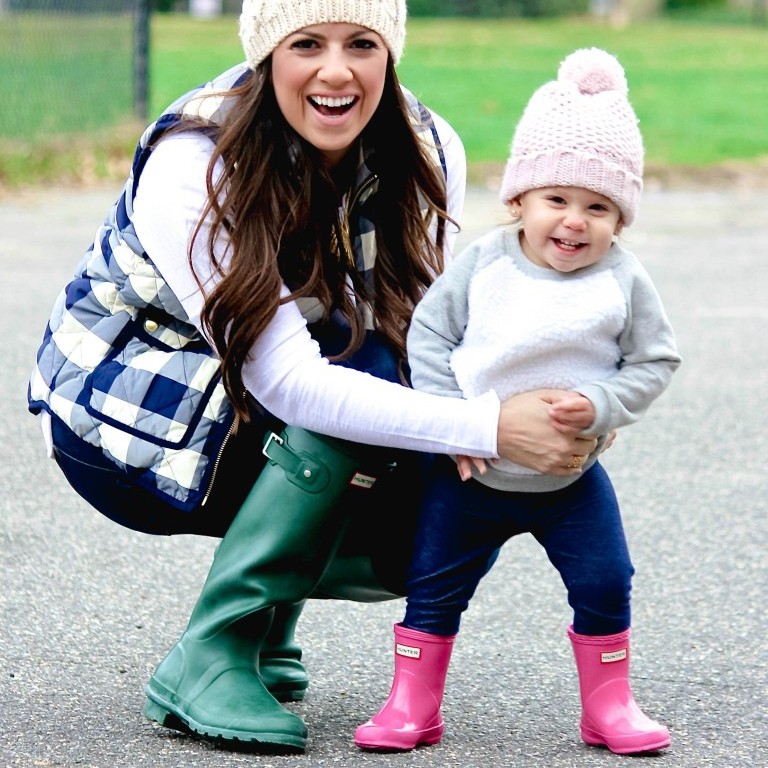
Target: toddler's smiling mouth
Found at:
568, 245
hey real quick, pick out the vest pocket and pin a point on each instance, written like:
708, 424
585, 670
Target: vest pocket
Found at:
158, 384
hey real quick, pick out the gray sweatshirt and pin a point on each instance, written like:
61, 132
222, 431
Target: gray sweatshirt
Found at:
496, 321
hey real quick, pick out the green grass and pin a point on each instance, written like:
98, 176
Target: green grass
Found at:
698, 89
700, 94
63, 72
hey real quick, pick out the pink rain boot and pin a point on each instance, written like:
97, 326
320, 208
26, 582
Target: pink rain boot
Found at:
609, 714
411, 715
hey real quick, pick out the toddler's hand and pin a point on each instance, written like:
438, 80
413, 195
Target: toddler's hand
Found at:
465, 463
574, 410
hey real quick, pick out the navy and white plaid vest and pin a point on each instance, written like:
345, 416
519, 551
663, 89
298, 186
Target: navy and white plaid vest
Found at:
121, 364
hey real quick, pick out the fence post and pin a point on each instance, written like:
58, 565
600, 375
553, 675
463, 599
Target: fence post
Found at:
141, 59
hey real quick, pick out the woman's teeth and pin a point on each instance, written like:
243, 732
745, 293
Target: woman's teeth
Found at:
332, 101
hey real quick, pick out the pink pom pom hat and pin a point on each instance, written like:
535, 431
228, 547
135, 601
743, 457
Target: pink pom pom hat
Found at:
580, 131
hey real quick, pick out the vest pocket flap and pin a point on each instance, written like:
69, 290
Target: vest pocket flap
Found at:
155, 391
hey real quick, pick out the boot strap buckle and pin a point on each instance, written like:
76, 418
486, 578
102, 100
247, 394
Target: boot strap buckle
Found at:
301, 469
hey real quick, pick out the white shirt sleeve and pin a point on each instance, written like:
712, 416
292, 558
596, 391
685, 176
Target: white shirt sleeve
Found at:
286, 372
456, 174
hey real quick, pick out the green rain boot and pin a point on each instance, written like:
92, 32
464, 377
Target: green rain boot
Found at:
274, 552
351, 574
280, 666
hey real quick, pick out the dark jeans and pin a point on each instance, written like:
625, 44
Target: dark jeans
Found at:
463, 523
110, 491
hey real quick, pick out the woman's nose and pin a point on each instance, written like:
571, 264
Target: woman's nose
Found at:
335, 68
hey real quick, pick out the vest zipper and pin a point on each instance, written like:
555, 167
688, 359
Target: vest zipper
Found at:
217, 461
346, 242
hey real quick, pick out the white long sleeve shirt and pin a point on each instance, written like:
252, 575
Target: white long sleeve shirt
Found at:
286, 372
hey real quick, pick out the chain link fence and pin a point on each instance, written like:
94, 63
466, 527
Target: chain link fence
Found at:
71, 66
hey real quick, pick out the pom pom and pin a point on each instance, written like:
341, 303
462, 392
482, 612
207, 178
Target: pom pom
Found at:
593, 71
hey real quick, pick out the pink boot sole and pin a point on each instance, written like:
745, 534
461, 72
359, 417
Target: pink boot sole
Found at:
626, 745
384, 740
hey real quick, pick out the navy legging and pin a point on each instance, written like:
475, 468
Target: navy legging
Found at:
463, 523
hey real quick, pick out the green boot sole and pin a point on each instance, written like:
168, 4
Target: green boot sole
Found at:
197, 689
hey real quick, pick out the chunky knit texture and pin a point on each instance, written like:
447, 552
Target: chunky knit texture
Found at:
264, 23
580, 131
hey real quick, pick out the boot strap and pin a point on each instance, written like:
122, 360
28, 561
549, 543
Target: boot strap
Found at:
300, 468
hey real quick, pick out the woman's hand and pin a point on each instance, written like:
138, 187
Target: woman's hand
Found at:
528, 436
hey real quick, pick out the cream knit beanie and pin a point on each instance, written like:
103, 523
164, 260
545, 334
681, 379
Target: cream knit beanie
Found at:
580, 131
264, 23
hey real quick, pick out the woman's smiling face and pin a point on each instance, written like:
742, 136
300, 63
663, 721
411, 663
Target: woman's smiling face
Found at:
328, 81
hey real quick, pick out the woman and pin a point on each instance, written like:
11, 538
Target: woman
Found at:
285, 217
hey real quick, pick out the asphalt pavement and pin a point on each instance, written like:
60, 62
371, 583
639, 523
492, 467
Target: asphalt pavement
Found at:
89, 608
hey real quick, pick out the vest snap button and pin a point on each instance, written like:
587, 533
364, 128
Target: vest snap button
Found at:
150, 326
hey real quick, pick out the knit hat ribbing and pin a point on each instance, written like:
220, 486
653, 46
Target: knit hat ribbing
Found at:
580, 131
264, 23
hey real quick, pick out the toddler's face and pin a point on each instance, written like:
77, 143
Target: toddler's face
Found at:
566, 228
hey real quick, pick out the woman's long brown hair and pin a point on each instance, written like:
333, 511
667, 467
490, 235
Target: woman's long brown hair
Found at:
278, 207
